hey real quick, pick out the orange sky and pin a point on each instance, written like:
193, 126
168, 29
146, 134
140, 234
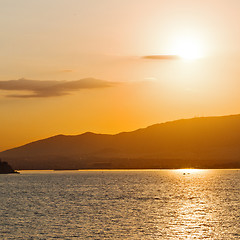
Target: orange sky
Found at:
92, 54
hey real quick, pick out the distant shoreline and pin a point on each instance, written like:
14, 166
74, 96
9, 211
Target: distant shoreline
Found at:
122, 169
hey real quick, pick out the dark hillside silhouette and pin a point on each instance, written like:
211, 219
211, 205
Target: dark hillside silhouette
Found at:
210, 142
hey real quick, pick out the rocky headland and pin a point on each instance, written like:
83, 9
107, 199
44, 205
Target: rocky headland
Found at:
5, 168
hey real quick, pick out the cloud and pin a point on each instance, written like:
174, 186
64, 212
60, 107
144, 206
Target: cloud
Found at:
51, 88
162, 57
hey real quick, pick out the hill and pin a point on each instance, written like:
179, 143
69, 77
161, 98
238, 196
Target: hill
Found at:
209, 142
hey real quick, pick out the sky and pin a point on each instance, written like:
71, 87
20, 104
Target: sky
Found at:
71, 66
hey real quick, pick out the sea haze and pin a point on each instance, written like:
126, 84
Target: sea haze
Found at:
151, 204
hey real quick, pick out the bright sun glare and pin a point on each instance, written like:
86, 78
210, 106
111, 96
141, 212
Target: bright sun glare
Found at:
189, 48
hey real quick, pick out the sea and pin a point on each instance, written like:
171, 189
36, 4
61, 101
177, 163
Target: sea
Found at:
124, 204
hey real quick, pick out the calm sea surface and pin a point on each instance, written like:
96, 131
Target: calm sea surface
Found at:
161, 204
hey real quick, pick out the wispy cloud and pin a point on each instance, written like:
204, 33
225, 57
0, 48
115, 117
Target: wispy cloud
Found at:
51, 88
161, 57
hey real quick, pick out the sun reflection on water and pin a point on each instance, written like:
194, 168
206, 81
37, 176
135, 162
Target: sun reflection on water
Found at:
189, 170
151, 204
193, 211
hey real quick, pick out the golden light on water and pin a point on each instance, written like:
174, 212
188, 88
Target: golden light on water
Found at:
189, 170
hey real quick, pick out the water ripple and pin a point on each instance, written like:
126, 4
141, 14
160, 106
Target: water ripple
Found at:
120, 205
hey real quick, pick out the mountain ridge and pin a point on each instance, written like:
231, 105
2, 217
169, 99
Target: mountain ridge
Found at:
205, 142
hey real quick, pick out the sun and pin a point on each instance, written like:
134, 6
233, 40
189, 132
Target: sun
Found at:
189, 48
